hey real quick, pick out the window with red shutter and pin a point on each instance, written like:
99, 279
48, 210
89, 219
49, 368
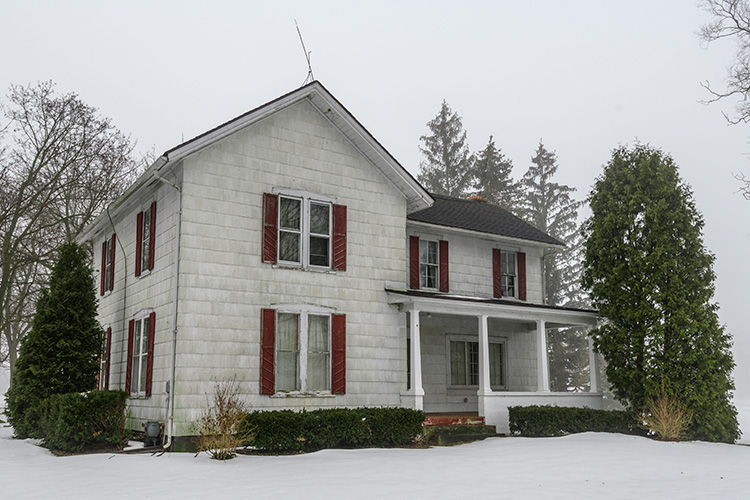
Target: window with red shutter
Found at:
338, 357
145, 240
414, 262
129, 363
497, 273
339, 238
521, 260
108, 266
140, 355
444, 285
267, 349
270, 227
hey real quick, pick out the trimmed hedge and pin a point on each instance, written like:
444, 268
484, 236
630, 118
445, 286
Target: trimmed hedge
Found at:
547, 421
288, 431
75, 421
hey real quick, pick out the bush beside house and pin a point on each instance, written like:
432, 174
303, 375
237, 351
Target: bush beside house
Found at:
549, 421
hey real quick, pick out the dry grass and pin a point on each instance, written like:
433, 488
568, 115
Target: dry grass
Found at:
666, 416
218, 426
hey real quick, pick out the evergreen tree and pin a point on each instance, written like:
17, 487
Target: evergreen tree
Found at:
549, 206
652, 278
492, 177
447, 165
59, 354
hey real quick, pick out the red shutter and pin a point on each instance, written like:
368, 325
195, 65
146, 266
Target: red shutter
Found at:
338, 353
270, 227
152, 236
112, 266
138, 242
443, 251
339, 238
497, 277
414, 262
129, 364
150, 359
521, 259
104, 264
267, 348
107, 355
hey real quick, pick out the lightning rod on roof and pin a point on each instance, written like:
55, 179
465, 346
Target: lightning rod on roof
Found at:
310, 76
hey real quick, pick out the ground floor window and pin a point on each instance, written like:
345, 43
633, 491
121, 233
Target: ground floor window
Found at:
303, 352
464, 362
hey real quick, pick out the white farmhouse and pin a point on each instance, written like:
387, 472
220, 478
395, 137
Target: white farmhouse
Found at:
287, 250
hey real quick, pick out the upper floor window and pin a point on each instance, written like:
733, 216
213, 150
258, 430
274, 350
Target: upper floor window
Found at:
304, 230
145, 235
428, 264
508, 274
108, 265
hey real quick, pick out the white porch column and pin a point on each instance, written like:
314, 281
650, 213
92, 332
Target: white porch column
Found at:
484, 365
593, 366
542, 361
416, 361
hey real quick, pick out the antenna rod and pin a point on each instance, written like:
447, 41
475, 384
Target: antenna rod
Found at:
310, 76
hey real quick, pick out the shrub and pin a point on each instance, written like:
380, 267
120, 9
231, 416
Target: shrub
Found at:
547, 421
289, 431
666, 416
76, 421
218, 427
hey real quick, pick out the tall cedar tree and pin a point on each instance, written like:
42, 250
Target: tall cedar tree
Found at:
59, 354
492, 177
652, 278
550, 207
447, 165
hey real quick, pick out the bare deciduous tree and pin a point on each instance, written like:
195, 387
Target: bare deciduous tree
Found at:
60, 164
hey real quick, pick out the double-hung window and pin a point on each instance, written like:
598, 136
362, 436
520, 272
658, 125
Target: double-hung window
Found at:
108, 265
303, 352
140, 355
428, 264
464, 362
509, 274
145, 234
304, 232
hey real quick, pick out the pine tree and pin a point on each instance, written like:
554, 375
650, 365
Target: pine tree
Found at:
447, 165
493, 177
651, 276
59, 354
549, 206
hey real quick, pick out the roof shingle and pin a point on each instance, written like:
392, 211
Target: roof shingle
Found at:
476, 215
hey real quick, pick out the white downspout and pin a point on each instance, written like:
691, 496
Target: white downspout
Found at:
173, 358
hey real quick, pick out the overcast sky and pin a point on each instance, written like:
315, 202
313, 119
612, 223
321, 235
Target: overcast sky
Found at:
583, 76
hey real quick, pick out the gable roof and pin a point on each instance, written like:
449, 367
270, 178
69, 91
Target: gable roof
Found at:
476, 215
416, 196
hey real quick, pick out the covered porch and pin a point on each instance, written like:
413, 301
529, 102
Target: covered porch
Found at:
481, 356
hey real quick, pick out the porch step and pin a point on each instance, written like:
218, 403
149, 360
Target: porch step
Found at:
457, 434
443, 420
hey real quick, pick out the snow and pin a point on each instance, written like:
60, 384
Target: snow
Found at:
590, 465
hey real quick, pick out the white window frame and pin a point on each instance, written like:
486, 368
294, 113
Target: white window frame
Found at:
145, 239
504, 274
140, 354
306, 200
467, 339
304, 312
435, 265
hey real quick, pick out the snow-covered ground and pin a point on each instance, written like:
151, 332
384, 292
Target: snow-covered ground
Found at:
590, 465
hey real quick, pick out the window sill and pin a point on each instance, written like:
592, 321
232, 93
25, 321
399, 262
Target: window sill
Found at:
138, 396
320, 270
303, 395
144, 273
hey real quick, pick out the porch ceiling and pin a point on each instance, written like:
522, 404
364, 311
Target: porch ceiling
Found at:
456, 305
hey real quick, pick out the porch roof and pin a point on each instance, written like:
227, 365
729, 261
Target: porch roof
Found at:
460, 305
